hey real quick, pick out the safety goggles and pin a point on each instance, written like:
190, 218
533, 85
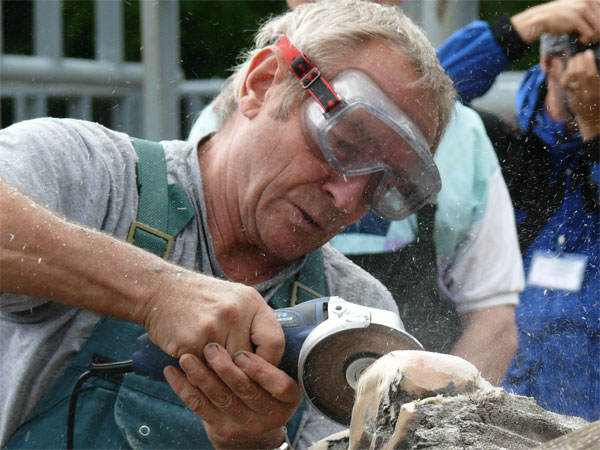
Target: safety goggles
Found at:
354, 126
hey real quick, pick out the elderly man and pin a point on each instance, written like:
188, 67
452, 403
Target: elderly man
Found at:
302, 152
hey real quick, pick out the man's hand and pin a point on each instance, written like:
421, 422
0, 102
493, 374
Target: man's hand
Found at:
244, 401
560, 17
581, 82
190, 310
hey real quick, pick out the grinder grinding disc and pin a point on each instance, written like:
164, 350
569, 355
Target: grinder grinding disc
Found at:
339, 349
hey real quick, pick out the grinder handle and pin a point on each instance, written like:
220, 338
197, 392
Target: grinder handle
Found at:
297, 323
150, 359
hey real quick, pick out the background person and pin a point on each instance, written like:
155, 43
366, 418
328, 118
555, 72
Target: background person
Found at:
260, 203
551, 167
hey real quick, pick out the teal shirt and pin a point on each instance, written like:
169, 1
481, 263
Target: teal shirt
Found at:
466, 161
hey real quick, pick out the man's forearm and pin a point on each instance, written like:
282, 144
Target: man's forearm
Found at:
489, 341
47, 257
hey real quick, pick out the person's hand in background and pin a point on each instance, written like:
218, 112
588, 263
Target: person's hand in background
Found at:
581, 81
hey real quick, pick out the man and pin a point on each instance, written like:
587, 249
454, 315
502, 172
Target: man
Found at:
551, 167
454, 270
258, 195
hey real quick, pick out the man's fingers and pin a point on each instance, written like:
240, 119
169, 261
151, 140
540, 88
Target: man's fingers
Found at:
257, 383
269, 377
192, 397
580, 17
580, 69
267, 336
592, 17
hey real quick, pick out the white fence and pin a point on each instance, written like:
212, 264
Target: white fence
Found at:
143, 99
152, 99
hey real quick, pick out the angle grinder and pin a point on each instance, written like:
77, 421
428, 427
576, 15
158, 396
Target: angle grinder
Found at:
329, 342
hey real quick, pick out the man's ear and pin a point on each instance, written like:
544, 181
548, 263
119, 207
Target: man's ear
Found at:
267, 69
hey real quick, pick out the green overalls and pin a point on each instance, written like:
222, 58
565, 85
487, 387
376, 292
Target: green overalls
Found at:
132, 411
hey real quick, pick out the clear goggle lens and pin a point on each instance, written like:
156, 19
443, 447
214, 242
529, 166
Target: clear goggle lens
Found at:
370, 134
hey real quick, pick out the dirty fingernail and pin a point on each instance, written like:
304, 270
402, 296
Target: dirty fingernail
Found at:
188, 363
241, 360
211, 352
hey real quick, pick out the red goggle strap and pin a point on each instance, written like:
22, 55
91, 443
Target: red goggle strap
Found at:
309, 76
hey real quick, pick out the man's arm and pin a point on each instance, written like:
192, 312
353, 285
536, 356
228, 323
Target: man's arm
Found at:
489, 340
186, 313
487, 278
473, 59
48, 257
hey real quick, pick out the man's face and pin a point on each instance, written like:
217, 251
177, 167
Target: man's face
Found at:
291, 201
556, 98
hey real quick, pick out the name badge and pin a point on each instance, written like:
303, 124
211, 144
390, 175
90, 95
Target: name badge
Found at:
552, 270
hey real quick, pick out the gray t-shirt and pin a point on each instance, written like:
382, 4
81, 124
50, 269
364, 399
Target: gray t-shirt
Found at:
86, 173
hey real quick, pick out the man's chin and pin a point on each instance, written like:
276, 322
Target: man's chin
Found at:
287, 253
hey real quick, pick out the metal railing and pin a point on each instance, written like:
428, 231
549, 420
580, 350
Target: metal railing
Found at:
149, 99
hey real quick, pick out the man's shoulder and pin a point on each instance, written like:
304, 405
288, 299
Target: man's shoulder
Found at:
80, 131
349, 281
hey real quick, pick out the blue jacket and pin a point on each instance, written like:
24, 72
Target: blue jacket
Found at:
472, 59
558, 359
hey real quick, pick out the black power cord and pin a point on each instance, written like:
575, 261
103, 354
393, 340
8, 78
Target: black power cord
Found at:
95, 370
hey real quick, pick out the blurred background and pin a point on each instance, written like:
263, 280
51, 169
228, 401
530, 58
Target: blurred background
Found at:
147, 67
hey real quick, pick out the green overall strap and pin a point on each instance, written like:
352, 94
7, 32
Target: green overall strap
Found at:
308, 284
163, 209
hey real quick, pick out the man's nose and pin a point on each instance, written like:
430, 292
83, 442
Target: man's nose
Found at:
348, 192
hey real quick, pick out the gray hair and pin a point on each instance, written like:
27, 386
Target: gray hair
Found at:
321, 29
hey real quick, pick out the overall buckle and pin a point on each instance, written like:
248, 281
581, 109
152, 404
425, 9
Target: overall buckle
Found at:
153, 231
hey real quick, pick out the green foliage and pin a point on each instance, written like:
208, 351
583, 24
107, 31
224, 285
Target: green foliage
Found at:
214, 32
17, 21
132, 34
78, 26
491, 10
